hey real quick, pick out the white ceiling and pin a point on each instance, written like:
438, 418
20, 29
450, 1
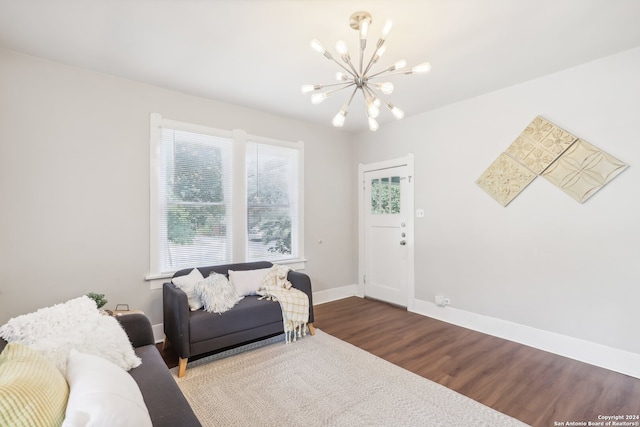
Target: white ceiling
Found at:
256, 53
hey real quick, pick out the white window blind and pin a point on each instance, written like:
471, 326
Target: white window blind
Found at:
196, 209
272, 202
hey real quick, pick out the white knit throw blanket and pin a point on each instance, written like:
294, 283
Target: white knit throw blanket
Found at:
293, 302
295, 309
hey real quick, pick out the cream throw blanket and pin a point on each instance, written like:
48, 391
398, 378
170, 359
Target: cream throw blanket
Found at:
293, 302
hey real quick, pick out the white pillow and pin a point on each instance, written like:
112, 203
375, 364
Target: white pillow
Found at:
217, 293
187, 284
247, 282
102, 394
76, 324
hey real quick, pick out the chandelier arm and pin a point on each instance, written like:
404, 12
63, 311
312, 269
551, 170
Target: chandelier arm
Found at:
355, 72
346, 85
378, 94
373, 55
351, 72
366, 88
351, 97
363, 44
332, 91
397, 112
380, 75
403, 71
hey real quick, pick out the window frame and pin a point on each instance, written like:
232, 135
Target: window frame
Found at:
239, 232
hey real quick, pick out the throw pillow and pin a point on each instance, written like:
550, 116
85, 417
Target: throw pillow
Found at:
74, 311
54, 331
247, 282
187, 284
32, 391
102, 394
216, 293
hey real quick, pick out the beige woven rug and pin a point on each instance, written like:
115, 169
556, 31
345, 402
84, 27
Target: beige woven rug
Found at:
322, 381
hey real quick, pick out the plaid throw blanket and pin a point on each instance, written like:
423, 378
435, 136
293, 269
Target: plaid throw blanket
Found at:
293, 302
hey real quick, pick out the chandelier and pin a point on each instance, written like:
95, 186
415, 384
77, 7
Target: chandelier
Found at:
372, 85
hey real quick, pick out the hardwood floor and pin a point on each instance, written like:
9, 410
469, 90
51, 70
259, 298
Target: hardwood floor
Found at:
536, 387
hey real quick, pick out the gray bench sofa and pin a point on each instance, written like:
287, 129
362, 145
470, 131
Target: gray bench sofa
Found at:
193, 333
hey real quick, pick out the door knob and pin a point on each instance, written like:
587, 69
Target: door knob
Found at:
403, 242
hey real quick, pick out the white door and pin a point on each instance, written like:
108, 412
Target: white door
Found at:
386, 234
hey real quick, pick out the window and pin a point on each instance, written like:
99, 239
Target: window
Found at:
219, 197
271, 201
385, 195
196, 209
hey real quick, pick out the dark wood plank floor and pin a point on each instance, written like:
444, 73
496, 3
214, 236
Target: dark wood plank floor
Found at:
536, 387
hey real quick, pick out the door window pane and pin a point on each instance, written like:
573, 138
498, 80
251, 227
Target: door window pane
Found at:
385, 195
375, 191
394, 194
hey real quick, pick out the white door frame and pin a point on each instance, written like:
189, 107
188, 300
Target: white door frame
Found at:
362, 204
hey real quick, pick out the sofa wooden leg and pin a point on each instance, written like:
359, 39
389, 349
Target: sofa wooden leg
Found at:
165, 344
182, 367
312, 330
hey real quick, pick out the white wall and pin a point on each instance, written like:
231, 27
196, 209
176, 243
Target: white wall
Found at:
74, 185
545, 261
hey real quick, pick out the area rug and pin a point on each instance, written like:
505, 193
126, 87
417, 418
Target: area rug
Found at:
322, 381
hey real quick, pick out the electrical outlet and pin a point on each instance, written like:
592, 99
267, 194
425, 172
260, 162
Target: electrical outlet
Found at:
419, 213
442, 301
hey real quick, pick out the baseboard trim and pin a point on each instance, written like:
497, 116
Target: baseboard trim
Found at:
334, 294
592, 353
158, 332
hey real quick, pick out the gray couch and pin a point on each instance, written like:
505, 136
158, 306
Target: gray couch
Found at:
166, 404
193, 333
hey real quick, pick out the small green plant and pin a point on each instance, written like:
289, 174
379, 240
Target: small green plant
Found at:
98, 298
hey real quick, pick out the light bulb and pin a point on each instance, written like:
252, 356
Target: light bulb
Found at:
386, 87
377, 102
310, 88
398, 65
340, 76
386, 29
372, 110
317, 46
397, 113
381, 50
317, 98
341, 48
339, 119
425, 67
364, 28
373, 124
